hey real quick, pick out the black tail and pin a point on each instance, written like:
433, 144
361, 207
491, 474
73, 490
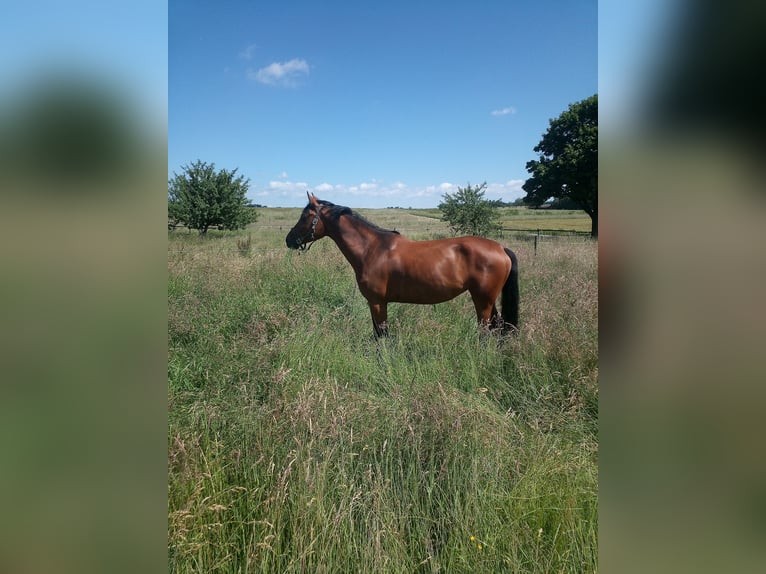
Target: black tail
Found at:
510, 297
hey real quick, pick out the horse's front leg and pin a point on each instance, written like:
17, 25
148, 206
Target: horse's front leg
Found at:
379, 312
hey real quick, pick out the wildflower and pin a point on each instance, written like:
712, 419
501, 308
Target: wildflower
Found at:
479, 547
472, 538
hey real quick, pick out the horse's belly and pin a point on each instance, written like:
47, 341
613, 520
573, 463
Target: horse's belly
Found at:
423, 300
422, 294
423, 288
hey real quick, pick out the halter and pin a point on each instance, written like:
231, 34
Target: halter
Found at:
311, 240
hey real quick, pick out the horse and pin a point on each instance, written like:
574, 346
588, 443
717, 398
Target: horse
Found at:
391, 268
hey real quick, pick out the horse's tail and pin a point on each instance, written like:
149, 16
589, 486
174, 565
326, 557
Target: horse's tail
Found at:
510, 297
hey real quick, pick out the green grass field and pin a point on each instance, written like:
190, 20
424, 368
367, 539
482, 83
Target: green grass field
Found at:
298, 443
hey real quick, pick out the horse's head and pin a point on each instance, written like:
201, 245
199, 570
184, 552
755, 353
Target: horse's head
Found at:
309, 227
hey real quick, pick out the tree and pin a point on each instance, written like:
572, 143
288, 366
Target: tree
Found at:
568, 164
202, 197
468, 212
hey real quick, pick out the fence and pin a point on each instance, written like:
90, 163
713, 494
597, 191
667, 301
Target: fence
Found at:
522, 234
546, 234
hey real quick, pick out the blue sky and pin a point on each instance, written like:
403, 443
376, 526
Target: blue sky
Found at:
373, 104
121, 44
633, 38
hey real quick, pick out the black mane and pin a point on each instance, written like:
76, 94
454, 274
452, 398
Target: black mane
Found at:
335, 211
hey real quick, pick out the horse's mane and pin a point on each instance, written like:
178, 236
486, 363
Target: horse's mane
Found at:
335, 211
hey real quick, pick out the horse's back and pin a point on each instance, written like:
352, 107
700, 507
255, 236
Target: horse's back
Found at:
467, 243
467, 250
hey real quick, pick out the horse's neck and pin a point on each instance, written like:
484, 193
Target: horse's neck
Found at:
354, 239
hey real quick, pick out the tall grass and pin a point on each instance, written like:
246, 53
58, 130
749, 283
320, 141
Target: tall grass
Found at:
298, 443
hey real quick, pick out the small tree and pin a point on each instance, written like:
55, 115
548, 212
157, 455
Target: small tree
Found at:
468, 213
568, 163
202, 197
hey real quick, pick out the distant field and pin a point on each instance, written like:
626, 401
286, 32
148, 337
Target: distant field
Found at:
297, 443
523, 218
418, 223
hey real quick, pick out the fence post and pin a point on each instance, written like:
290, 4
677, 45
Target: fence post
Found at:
536, 237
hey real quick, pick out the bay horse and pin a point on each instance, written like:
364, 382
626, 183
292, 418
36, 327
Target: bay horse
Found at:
391, 268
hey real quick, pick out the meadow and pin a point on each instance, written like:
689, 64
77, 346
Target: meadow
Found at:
299, 443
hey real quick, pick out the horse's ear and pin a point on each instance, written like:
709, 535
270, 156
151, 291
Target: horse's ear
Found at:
312, 199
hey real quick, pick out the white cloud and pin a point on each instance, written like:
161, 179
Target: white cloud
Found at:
248, 52
507, 191
286, 74
504, 111
289, 186
377, 193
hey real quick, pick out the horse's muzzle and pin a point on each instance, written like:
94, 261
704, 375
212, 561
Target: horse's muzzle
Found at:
292, 242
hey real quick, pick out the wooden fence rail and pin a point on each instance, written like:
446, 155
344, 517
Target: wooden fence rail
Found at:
548, 232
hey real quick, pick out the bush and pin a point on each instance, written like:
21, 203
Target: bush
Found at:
202, 197
468, 213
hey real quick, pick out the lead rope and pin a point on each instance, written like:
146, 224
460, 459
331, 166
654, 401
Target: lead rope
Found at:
306, 246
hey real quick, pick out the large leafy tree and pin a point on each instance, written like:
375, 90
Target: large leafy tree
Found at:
468, 213
567, 167
201, 197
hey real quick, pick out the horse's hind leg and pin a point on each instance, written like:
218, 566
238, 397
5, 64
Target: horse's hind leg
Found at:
497, 320
486, 311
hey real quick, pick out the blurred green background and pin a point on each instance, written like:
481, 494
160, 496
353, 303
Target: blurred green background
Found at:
83, 170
